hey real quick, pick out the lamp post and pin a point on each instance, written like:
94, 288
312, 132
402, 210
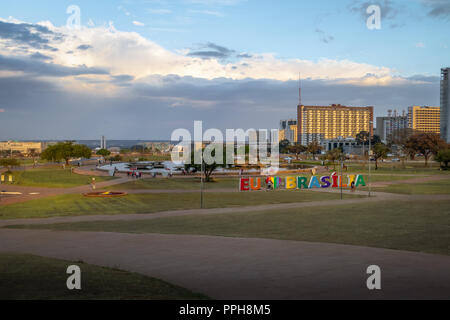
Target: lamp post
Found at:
370, 156
342, 165
201, 180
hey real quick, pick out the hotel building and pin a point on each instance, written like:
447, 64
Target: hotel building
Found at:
318, 123
424, 119
445, 104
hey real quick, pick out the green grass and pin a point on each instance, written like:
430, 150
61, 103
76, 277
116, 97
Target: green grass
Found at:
422, 226
220, 183
28, 277
434, 187
177, 184
52, 178
75, 205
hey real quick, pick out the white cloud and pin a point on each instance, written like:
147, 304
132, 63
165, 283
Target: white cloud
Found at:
207, 12
159, 11
129, 53
420, 45
138, 23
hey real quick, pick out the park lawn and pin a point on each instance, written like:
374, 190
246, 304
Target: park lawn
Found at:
29, 277
53, 178
433, 187
177, 184
76, 205
221, 183
422, 226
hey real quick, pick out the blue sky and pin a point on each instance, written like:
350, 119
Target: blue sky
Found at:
151, 51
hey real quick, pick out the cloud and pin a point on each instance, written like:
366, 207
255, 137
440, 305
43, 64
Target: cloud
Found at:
2, 110
39, 68
171, 102
438, 8
389, 11
114, 52
215, 51
40, 56
325, 38
207, 12
217, 2
419, 45
32, 35
138, 23
159, 11
84, 47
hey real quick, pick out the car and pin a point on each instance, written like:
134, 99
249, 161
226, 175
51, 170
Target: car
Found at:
395, 160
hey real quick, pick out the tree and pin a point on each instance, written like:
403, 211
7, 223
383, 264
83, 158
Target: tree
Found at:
334, 155
362, 138
33, 154
284, 145
314, 148
443, 157
208, 168
425, 143
104, 153
65, 151
297, 149
380, 151
9, 163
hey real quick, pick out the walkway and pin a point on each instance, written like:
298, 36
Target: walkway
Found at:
235, 268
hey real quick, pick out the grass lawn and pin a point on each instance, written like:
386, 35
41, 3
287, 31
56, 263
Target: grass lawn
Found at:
75, 205
28, 277
52, 178
221, 183
177, 184
434, 187
422, 226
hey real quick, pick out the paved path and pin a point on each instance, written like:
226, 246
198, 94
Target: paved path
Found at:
234, 268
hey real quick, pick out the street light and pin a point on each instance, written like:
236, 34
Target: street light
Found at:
370, 155
342, 164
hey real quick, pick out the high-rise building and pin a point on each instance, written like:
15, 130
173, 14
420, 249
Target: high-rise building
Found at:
288, 130
424, 119
318, 123
103, 143
445, 104
388, 127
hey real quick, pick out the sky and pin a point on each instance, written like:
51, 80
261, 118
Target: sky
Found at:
140, 69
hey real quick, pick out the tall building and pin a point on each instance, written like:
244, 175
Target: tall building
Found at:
388, 127
288, 130
318, 123
424, 119
103, 143
445, 104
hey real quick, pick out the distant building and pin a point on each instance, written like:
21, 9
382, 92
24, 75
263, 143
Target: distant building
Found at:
445, 104
318, 123
22, 147
288, 130
388, 127
348, 145
424, 119
103, 143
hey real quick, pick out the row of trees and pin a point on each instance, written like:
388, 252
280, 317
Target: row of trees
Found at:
66, 151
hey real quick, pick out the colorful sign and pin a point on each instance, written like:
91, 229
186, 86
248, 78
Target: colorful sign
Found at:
298, 183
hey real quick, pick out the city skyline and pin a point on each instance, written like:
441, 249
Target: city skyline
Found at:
140, 69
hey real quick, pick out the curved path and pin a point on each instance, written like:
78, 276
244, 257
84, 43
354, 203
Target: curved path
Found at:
235, 268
